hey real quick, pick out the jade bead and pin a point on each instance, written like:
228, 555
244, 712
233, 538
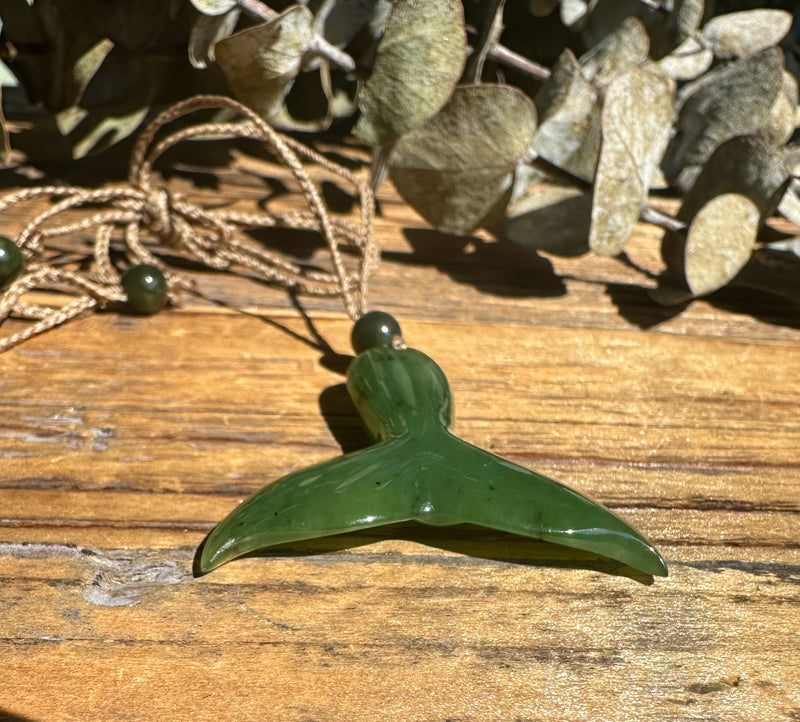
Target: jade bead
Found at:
375, 329
146, 288
11, 261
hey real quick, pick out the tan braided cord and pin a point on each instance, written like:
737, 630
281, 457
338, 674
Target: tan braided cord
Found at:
145, 221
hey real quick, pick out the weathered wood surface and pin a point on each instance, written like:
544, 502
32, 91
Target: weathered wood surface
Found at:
124, 439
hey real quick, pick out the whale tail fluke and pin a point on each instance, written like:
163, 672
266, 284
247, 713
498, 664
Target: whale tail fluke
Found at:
436, 479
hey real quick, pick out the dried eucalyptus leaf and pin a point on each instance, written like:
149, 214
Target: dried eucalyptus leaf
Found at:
542, 8
5, 144
214, 7
573, 11
419, 60
70, 118
792, 153
454, 169
789, 246
680, 24
569, 119
636, 122
624, 48
261, 62
39, 74
339, 21
552, 218
605, 18
130, 26
113, 104
746, 166
307, 106
782, 118
790, 88
719, 241
527, 175
734, 99
789, 206
343, 91
112, 126
76, 44
781, 121
207, 31
743, 33
688, 61
77, 52
687, 16
84, 69
377, 20
657, 181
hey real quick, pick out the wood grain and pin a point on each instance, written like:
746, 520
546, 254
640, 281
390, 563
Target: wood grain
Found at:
123, 440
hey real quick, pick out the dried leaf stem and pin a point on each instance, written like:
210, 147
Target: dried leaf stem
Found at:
504, 56
664, 6
655, 217
648, 214
319, 46
487, 37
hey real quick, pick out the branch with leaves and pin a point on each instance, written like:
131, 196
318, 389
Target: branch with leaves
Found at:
550, 123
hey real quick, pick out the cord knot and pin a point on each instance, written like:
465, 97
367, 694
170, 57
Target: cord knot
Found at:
157, 211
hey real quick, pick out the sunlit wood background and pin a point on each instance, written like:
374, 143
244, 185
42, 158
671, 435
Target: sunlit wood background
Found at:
123, 440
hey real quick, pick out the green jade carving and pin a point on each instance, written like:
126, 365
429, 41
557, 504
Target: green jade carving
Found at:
12, 262
417, 470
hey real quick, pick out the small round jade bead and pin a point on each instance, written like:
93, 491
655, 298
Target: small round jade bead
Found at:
11, 261
146, 289
375, 329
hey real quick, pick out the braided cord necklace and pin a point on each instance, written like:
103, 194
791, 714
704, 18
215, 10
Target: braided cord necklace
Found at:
415, 469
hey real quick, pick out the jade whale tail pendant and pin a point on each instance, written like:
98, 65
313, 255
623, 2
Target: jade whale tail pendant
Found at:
417, 470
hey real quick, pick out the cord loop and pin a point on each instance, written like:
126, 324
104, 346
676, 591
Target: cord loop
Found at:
145, 221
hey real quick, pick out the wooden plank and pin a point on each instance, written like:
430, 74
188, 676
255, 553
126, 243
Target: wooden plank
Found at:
544, 396
398, 636
472, 279
124, 439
